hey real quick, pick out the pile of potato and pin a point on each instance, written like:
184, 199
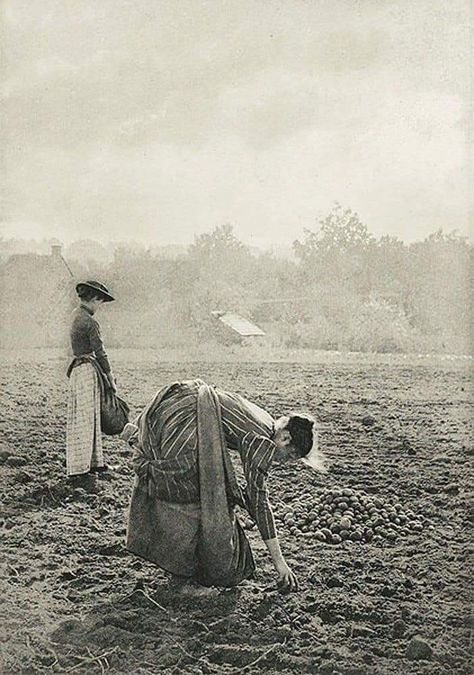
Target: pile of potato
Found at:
342, 514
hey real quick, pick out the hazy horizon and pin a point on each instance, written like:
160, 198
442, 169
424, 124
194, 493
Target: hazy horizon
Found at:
156, 122
29, 243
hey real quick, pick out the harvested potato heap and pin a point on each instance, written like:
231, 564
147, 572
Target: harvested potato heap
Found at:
341, 514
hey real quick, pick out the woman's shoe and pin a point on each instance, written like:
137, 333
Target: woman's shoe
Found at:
99, 469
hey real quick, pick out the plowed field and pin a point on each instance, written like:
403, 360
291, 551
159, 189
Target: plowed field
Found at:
74, 600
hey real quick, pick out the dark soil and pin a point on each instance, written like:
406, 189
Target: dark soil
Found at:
75, 601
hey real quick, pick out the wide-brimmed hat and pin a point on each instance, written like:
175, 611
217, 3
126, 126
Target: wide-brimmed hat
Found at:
101, 290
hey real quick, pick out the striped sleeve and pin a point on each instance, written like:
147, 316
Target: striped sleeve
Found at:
240, 416
257, 454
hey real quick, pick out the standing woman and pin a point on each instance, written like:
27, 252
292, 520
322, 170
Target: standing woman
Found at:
83, 434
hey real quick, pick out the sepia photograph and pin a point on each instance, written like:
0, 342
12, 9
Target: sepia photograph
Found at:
237, 337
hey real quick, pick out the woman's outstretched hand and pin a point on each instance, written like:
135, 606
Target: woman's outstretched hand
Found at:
287, 580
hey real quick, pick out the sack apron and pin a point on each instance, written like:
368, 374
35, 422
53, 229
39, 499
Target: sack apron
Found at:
203, 541
224, 554
114, 411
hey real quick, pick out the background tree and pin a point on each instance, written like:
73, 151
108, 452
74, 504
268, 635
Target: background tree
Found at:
344, 289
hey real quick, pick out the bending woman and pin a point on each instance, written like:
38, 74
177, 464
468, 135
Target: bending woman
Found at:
182, 507
83, 433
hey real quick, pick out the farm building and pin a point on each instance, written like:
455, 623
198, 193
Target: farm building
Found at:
36, 299
234, 328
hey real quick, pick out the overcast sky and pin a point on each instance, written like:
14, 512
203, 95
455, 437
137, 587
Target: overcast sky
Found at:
155, 120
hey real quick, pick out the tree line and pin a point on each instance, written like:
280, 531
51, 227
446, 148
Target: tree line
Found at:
344, 289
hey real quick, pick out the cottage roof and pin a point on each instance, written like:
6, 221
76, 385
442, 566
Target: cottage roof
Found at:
26, 274
27, 263
238, 324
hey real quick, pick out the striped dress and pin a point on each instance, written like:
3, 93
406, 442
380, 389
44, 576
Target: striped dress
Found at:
247, 429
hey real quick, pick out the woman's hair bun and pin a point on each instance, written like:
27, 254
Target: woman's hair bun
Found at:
302, 420
300, 427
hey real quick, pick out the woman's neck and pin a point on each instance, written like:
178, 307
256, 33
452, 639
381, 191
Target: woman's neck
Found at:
88, 307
